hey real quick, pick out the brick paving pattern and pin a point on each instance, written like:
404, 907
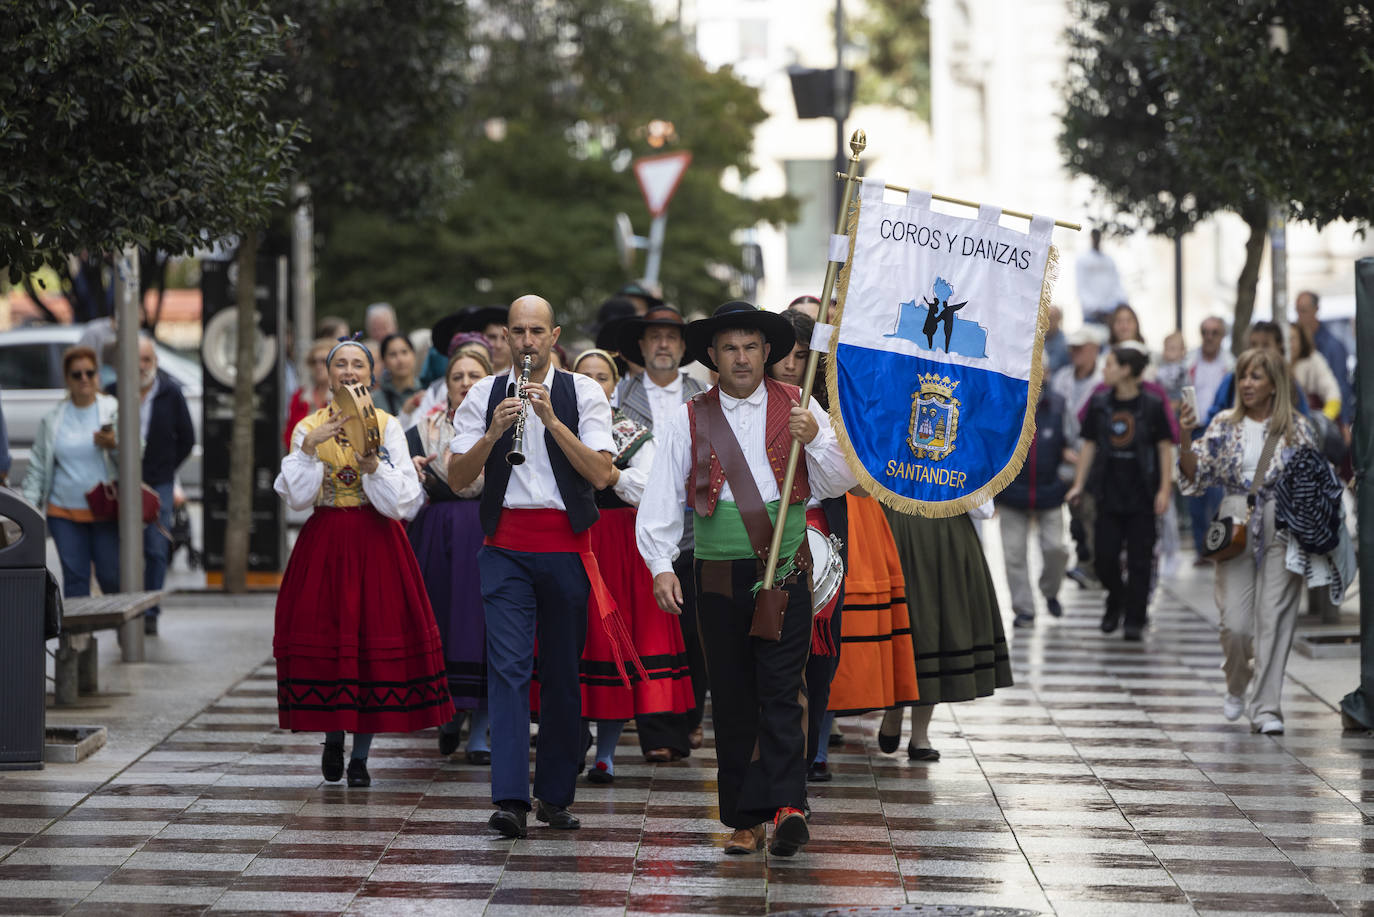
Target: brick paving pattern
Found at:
1106, 782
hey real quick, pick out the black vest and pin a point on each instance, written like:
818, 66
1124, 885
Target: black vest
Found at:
578, 496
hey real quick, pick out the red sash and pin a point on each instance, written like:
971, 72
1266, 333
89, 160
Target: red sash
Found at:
548, 531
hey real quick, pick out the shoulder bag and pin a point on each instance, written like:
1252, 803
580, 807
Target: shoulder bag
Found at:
1225, 536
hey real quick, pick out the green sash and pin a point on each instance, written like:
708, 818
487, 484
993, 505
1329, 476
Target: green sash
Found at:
722, 536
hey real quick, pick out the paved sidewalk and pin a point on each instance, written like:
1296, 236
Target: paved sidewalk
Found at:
1105, 782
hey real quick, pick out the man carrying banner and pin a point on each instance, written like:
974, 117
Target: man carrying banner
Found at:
536, 565
724, 454
655, 341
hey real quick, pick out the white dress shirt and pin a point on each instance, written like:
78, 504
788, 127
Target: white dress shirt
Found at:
663, 399
532, 485
658, 527
393, 489
630, 485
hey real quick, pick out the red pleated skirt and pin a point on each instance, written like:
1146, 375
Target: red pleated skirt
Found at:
657, 634
356, 645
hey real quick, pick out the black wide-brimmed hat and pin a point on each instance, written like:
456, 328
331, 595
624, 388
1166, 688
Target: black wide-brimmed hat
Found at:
738, 314
630, 330
443, 331
477, 318
639, 291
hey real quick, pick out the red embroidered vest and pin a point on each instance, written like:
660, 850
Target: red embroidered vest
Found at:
778, 442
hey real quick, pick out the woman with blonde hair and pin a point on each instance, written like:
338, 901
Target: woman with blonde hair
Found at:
1256, 593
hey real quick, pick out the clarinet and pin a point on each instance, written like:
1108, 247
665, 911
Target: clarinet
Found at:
516, 455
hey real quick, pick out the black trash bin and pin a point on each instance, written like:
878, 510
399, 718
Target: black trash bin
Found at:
23, 590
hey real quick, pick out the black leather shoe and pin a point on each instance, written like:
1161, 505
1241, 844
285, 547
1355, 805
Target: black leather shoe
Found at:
508, 821
835, 739
331, 762
556, 817
449, 741
921, 754
479, 757
1132, 633
150, 625
887, 743
357, 772
1111, 620
818, 772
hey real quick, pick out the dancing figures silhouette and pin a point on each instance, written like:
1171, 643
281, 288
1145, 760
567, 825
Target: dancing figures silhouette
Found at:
935, 315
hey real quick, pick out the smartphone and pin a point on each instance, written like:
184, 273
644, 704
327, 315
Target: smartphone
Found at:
1190, 398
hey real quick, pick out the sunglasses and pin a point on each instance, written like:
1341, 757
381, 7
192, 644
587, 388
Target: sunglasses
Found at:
82, 374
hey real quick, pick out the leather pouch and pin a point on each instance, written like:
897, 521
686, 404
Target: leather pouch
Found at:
769, 606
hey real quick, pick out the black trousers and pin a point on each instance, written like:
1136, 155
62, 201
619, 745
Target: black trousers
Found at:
1136, 532
758, 698
820, 670
669, 730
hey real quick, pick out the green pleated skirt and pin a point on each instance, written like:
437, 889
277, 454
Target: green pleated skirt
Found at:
958, 639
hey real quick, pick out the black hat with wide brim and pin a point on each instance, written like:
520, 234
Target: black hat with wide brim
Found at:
738, 314
630, 330
444, 330
477, 318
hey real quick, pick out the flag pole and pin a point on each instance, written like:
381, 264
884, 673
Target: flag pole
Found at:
857, 142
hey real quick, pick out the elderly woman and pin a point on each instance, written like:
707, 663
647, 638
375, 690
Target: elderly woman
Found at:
356, 645
1255, 591
657, 636
71, 455
447, 535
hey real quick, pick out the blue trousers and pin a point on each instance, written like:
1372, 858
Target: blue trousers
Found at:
1201, 509
78, 545
529, 596
157, 547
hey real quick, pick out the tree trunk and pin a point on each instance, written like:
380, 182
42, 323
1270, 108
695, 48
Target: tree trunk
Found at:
1257, 218
240, 521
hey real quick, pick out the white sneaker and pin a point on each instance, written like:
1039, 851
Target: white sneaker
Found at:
1270, 727
1232, 707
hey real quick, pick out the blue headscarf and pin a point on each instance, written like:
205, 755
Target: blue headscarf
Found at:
354, 340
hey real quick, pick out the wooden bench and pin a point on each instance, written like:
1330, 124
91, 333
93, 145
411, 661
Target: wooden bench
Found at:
76, 670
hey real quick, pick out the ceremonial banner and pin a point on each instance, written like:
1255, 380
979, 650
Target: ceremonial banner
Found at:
936, 368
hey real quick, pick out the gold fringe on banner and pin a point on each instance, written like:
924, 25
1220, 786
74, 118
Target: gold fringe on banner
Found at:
942, 508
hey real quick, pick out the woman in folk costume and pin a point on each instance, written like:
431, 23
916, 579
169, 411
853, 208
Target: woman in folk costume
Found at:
960, 645
877, 668
657, 637
356, 646
446, 535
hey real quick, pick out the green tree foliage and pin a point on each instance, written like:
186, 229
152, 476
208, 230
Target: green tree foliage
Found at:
1177, 109
896, 69
559, 94
135, 122
379, 87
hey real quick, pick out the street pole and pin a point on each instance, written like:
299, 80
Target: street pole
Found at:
302, 278
128, 435
1178, 283
1357, 707
655, 258
1278, 263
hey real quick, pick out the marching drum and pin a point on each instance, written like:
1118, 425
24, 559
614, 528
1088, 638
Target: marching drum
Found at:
827, 570
361, 429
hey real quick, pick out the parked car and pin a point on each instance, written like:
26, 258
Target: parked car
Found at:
31, 383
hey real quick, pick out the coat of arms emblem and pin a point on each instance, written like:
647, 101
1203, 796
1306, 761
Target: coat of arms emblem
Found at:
934, 417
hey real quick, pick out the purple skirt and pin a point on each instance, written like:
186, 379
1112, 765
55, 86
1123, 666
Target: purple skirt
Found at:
446, 537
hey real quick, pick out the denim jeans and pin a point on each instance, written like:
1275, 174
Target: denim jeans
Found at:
1201, 509
78, 545
157, 547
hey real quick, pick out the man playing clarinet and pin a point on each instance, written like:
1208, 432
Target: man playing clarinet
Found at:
536, 564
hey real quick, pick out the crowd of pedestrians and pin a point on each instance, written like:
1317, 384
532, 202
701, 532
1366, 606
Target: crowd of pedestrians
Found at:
569, 534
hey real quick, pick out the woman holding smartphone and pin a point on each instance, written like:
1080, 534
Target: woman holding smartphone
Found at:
71, 455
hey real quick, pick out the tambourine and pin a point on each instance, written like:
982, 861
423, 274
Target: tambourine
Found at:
362, 429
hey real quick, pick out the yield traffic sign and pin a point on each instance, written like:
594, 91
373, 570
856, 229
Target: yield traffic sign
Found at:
659, 177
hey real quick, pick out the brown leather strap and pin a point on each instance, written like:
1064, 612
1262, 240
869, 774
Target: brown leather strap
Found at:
742, 485
701, 436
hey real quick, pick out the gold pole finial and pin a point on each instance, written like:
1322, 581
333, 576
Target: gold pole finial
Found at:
857, 142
